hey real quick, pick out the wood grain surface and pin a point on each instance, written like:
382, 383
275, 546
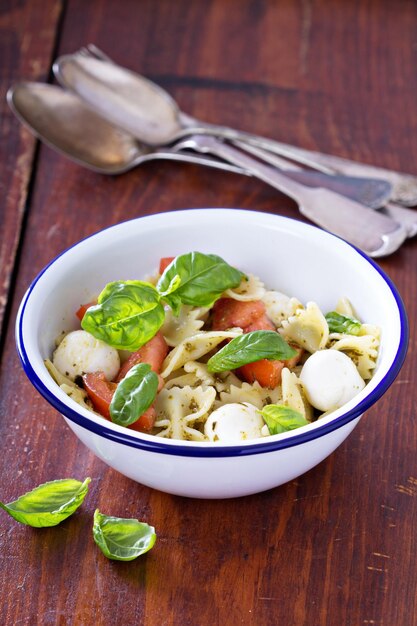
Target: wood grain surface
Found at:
335, 547
27, 39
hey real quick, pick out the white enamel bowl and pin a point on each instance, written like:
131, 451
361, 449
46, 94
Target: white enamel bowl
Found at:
290, 256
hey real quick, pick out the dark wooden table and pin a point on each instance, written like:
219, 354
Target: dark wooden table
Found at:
338, 545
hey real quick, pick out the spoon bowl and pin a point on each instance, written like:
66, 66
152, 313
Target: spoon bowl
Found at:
127, 99
66, 124
62, 121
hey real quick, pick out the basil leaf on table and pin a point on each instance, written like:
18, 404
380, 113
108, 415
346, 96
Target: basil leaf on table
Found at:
250, 347
128, 314
203, 278
280, 418
49, 504
122, 539
134, 394
342, 323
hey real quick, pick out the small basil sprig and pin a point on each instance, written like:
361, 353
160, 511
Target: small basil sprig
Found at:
197, 279
134, 394
280, 418
259, 344
128, 314
342, 323
122, 539
49, 504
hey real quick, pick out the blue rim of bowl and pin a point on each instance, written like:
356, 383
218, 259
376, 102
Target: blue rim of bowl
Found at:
268, 445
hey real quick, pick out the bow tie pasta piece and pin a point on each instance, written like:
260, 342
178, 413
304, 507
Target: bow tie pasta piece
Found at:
280, 307
251, 288
78, 395
194, 347
195, 374
178, 410
201, 372
344, 307
252, 393
181, 379
223, 381
370, 329
293, 394
189, 321
68, 386
308, 328
363, 350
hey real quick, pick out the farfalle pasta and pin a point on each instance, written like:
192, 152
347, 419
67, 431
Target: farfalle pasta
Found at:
308, 328
180, 409
250, 288
188, 322
206, 352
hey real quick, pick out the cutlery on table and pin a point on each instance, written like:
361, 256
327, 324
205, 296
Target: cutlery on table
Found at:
63, 121
174, 124
404, 185
375, 233
398, 212
407, 217
153, 120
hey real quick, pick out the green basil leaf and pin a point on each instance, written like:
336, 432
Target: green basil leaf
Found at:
280, 418
128, 314
134, 394
49, 504
342, 323
172, 287
260, 344
122, 539
203, 278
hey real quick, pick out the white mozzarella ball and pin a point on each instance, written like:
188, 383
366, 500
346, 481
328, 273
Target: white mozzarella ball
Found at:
234, 422
81, 353
330, 379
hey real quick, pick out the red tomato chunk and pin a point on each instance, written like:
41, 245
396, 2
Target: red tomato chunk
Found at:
229, 313
164, 262
153, 352
100, 391
83, 308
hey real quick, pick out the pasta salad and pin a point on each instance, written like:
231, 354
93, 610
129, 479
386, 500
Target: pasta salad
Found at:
204, 352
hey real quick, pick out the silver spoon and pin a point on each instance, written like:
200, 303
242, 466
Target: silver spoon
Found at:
62, 121
124, 97
65, 123
152, 121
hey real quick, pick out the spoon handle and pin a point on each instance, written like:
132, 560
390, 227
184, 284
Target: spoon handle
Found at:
375, 233
373, 192
404, 186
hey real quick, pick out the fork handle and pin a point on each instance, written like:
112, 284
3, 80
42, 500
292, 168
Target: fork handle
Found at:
404, 185
375, 233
